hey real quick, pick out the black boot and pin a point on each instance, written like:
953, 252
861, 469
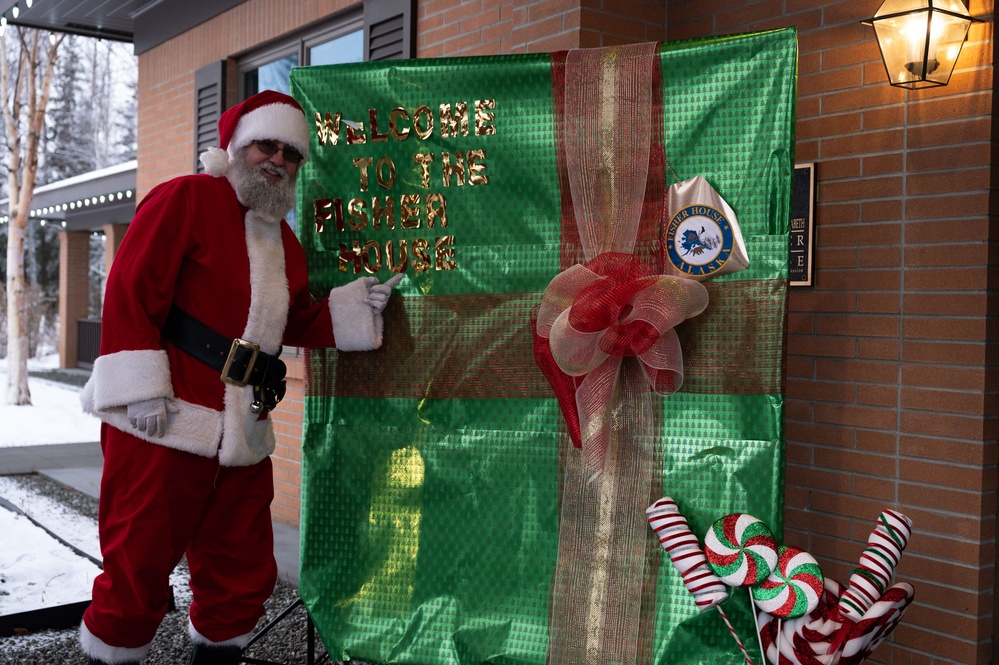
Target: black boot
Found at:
209, 654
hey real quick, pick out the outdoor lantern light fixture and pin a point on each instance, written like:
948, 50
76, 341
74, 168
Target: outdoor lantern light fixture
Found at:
921, 39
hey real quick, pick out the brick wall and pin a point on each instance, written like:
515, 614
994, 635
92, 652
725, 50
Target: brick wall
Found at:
492, 27
889, 402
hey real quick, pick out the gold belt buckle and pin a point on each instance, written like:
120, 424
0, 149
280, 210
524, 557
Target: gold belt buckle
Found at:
236, 344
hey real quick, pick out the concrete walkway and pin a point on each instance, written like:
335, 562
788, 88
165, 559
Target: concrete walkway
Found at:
78, 465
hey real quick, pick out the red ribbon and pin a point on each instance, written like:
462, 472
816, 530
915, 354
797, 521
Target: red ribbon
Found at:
597, 313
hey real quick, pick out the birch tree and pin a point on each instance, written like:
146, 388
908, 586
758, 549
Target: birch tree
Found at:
25, 78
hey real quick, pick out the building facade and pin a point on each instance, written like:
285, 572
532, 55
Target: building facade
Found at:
892, 377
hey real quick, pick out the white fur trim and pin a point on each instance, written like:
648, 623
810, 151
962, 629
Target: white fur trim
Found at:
95, 647
126, 377
356, 326
197, 638
246, 439
281, 122
190, 427
215, 161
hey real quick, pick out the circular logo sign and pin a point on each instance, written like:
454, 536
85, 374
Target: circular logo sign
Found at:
699, 240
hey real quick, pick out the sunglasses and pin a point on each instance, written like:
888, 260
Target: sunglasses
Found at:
270, 148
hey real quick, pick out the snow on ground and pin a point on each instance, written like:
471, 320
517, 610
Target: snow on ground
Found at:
55, 415
38, 571
77, 530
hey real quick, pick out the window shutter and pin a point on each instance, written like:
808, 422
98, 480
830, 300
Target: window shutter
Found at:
389, 29
209, 102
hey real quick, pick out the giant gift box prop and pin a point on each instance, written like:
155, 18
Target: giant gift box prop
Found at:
447, 515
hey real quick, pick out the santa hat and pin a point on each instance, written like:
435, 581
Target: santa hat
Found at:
266, 115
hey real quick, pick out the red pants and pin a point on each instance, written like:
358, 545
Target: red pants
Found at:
157, 504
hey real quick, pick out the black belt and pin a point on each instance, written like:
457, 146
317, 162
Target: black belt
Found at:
238, 362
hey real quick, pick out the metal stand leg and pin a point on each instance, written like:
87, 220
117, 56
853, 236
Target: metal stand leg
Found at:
310, 634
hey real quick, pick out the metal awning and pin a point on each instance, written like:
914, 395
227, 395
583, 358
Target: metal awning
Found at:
85, 202
144, 23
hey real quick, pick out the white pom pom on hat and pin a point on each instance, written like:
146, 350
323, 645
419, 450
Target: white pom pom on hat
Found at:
266, 115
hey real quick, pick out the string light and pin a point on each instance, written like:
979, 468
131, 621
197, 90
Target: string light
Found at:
38, 213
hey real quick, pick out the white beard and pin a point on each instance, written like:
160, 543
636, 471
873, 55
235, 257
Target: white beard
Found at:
270, 200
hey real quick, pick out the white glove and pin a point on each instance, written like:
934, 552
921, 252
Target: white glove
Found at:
150, 415
378, 294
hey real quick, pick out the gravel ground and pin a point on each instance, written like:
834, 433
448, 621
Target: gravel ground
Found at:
285, 643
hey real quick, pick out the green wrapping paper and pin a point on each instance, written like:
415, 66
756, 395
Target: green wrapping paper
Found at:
432, 468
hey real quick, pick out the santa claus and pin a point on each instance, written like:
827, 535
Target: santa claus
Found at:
208, 284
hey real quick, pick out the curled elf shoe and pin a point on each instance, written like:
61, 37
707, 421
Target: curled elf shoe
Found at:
209, 654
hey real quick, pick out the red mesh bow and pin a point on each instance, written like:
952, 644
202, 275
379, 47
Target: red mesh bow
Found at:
594, 315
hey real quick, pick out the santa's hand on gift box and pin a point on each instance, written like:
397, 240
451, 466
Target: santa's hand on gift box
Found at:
356, 312
378, 294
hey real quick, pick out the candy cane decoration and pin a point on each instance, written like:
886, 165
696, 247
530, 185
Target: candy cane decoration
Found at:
877, 564
685, 552
687, 557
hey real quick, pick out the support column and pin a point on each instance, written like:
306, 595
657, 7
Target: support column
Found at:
74, 291
113, 234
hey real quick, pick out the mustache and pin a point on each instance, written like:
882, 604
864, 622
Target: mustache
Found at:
273, 169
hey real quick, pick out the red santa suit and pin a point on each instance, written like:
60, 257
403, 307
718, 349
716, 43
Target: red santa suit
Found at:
204, 487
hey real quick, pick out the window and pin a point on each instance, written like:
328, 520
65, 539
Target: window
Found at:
378, 30
270, 68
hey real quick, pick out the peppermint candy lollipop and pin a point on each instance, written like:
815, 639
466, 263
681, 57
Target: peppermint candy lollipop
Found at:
740, 549
793, 588
685, 553
877, 564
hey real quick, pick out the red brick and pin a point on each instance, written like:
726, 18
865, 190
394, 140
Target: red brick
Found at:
953, 304
880, 257
864, 234
925, 423
881, 211
868, 142
872, 372
856, 462
859, 325
833, 169
855, 416
818, 434
943, 450
946, 475
956, 402
943, 353
947, 231
877, 349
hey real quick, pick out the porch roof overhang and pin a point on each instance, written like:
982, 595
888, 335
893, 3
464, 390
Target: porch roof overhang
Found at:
85, 202
144, 23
